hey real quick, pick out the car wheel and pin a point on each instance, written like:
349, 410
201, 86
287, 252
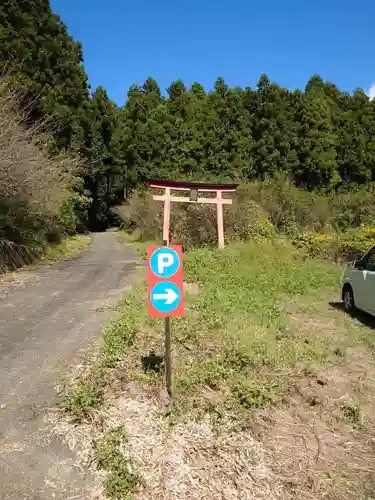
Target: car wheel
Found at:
348, 298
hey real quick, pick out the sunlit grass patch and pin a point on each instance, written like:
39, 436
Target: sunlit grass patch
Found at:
67, 248
234, 329
260, 351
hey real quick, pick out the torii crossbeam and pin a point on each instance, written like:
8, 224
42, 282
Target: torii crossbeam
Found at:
194, 189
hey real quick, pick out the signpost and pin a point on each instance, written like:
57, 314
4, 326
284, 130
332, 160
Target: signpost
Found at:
165, 273
165, 293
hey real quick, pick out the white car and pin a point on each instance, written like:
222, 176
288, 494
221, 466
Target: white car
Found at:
358, 286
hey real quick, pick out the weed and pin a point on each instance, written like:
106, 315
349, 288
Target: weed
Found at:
352, 414
314, 400
253, 393
258, 343
235, 325
82, 399
121, 481
67, 248
339, 352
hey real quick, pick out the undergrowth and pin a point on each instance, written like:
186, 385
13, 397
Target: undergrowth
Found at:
42, 199
67, 248
235, 326
121, 480
259, 346
13, 257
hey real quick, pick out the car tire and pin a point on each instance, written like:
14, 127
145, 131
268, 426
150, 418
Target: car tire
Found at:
348, 298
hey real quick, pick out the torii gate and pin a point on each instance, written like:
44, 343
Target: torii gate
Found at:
194, 189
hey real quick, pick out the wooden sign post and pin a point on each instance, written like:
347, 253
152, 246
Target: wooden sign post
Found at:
165, 294
165, 272
194, 188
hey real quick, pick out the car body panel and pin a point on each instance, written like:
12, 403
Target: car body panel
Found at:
362, 281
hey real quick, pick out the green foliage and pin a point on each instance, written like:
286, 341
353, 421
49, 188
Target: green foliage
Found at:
122, 481
353, 206
82, 399
333, 225
352, 414
319, 138
35, 44
254, 394
103, 180
335, 245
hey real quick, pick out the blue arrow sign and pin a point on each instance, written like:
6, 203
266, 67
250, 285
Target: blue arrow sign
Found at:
165, 296
165, 262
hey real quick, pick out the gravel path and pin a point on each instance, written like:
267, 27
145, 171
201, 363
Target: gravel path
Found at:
44, 321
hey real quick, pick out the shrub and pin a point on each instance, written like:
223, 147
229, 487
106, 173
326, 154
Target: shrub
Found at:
290, 209
195, 225
36, 204
346, 245
334, 225
141, 213
353, 206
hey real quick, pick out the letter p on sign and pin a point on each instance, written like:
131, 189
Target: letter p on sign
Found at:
165, 260
165, 281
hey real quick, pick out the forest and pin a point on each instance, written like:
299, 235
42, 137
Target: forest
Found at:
92, 152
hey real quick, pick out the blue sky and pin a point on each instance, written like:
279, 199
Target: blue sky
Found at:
124, 42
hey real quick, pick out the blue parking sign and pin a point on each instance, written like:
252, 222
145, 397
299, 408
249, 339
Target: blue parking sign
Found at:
165, 281
165, 262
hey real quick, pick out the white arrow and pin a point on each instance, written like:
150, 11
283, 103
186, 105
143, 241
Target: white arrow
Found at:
170, 296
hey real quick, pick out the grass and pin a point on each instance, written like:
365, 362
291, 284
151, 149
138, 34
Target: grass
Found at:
238, 316
121, 482
69, 247
259, 349
133, 238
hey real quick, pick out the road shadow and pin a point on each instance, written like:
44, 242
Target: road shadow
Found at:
360, 316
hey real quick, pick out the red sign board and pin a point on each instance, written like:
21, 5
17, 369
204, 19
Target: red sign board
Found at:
165, 281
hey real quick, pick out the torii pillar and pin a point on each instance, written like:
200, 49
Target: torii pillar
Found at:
194, 188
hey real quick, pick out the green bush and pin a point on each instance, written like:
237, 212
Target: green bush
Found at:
290, 209
353, 206
333, 225
346, 245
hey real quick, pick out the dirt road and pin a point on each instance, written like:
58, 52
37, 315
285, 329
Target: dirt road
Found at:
44, 322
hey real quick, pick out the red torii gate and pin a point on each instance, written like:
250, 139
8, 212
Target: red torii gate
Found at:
194, 189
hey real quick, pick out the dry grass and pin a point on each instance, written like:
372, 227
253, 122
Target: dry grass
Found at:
27, 171
274, 387
306, 448
188, 461
322, 439
36, 199
191, 460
